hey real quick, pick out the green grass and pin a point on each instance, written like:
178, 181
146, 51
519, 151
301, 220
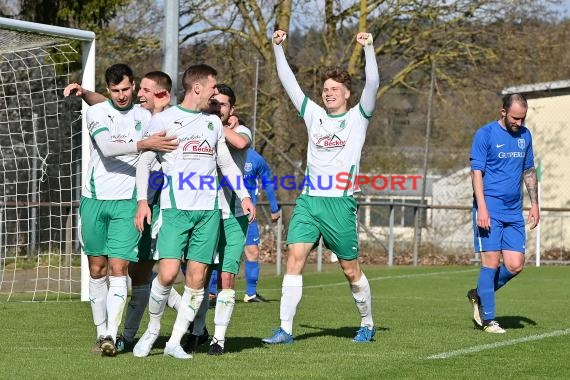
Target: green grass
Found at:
419, 312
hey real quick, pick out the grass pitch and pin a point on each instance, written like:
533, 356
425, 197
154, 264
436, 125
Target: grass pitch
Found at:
422, 314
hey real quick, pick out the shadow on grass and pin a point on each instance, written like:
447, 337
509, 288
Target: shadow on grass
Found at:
242, 343
515, 322
342, 332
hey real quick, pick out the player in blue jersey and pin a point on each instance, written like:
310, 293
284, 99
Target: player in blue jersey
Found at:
256, 168
501, 157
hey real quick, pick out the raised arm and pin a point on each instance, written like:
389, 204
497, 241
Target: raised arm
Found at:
368, 98
285, 73
89, 97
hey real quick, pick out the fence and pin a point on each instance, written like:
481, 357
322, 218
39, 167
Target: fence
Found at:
446, 233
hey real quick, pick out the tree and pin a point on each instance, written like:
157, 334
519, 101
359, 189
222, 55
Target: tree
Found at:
70, 13
458, 35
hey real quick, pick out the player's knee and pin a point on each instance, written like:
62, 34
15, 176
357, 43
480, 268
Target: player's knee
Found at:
515, 268
118, 269
167, 278
227, 280
97, 270
352, 274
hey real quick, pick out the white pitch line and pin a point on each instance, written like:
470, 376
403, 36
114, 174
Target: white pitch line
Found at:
381, 278
483, 347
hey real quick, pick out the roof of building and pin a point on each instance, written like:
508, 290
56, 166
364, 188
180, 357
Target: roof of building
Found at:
537, 90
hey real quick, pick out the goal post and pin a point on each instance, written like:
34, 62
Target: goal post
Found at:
44, 149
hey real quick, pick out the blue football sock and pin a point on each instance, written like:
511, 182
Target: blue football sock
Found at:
214, 283
251, 277
502, 277
486, 291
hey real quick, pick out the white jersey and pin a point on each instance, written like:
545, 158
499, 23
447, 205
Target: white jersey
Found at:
113, 178
231, 204
334, 149
190, 169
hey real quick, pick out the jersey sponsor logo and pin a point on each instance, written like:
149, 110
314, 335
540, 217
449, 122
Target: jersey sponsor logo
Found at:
120, 138
511, 154
330, 142
195, 147
521, 143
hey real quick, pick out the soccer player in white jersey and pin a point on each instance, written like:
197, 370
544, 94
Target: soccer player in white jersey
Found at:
108, 203
233, 227
154, 96
189, 204
336, 135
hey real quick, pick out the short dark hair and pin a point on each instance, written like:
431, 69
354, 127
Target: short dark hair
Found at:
197, 73
509, 99
115, 74
161, 79
338, 75
224, 89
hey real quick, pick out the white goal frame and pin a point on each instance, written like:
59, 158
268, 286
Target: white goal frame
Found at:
87, 39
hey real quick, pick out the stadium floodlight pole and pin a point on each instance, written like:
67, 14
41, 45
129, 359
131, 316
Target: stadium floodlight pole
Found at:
87, 82
170, 45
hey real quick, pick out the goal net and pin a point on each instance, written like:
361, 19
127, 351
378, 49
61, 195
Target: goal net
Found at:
40, 160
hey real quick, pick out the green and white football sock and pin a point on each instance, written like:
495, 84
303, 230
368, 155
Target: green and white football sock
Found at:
116, 301
292, 291
189, 305
156, 304
174, 299
98, 290
200, 319
223, 314
363, 299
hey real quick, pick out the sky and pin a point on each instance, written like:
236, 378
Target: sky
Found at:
564, 7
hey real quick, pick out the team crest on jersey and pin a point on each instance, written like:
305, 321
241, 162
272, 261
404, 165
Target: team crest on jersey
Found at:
342, 124
248, 166
138, 125
210, 126
521, 143
330, 142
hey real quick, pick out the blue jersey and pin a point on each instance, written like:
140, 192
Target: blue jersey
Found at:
502, 156
256, 168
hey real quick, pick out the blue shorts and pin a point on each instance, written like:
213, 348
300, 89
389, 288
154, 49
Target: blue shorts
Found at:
252, 237
507, 232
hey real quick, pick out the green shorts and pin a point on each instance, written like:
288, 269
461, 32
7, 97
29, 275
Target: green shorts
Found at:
194, 232
334, 218
147, 244
232, 240
108, 228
